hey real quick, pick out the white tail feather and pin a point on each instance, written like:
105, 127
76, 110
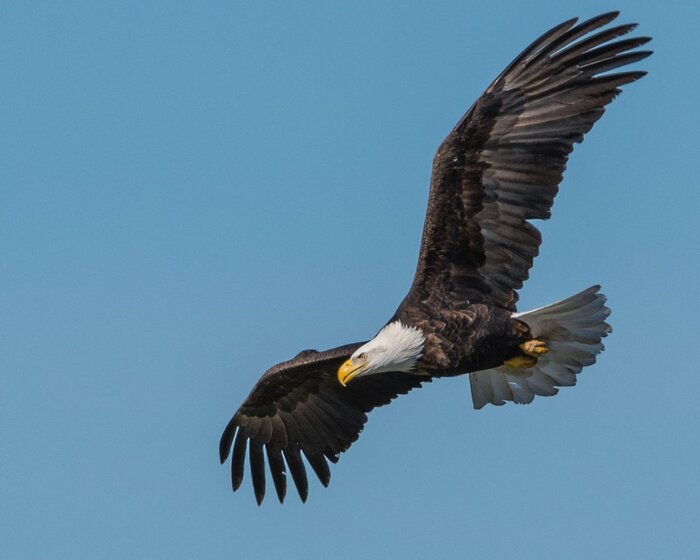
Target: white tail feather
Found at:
572, 330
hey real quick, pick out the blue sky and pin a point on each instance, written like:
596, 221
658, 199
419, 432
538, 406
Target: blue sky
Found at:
192, 192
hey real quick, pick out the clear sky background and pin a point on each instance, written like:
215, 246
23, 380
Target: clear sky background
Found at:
192, 192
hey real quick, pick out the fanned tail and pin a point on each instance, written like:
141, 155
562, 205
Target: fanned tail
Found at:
572, 329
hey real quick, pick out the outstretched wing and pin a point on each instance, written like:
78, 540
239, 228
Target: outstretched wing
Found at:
299, 407
502, 163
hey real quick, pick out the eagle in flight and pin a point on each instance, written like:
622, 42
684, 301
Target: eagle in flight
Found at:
498, 168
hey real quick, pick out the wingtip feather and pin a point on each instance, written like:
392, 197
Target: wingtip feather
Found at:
226, 441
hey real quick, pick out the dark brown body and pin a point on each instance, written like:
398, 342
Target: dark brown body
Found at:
474, 338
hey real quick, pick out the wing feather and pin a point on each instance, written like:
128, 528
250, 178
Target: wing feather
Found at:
238, 460
296, 467
257, 468
277, 469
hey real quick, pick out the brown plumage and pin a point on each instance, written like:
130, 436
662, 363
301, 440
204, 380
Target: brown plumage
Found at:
299, 406
498, 168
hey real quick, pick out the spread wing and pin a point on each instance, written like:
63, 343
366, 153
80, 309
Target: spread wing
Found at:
299, 407
502, 163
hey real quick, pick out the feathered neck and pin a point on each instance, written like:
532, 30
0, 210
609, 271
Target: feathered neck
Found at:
397, 347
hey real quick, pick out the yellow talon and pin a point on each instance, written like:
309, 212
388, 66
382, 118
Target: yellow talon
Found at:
534, 348
531, 350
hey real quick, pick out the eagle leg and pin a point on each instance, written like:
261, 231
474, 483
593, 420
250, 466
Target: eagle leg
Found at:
531, 350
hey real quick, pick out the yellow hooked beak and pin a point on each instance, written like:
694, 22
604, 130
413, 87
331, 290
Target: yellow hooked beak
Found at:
348, 371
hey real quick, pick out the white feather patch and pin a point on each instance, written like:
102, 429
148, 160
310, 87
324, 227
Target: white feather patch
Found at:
397, 347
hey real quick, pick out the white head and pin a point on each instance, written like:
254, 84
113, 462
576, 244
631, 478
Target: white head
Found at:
396, 347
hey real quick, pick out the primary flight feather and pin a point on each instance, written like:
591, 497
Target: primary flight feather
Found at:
497, 169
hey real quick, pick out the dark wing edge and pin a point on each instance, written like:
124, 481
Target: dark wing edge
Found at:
299, 409
502, 163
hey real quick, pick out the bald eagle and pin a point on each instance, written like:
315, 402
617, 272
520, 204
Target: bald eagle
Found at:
498, 168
